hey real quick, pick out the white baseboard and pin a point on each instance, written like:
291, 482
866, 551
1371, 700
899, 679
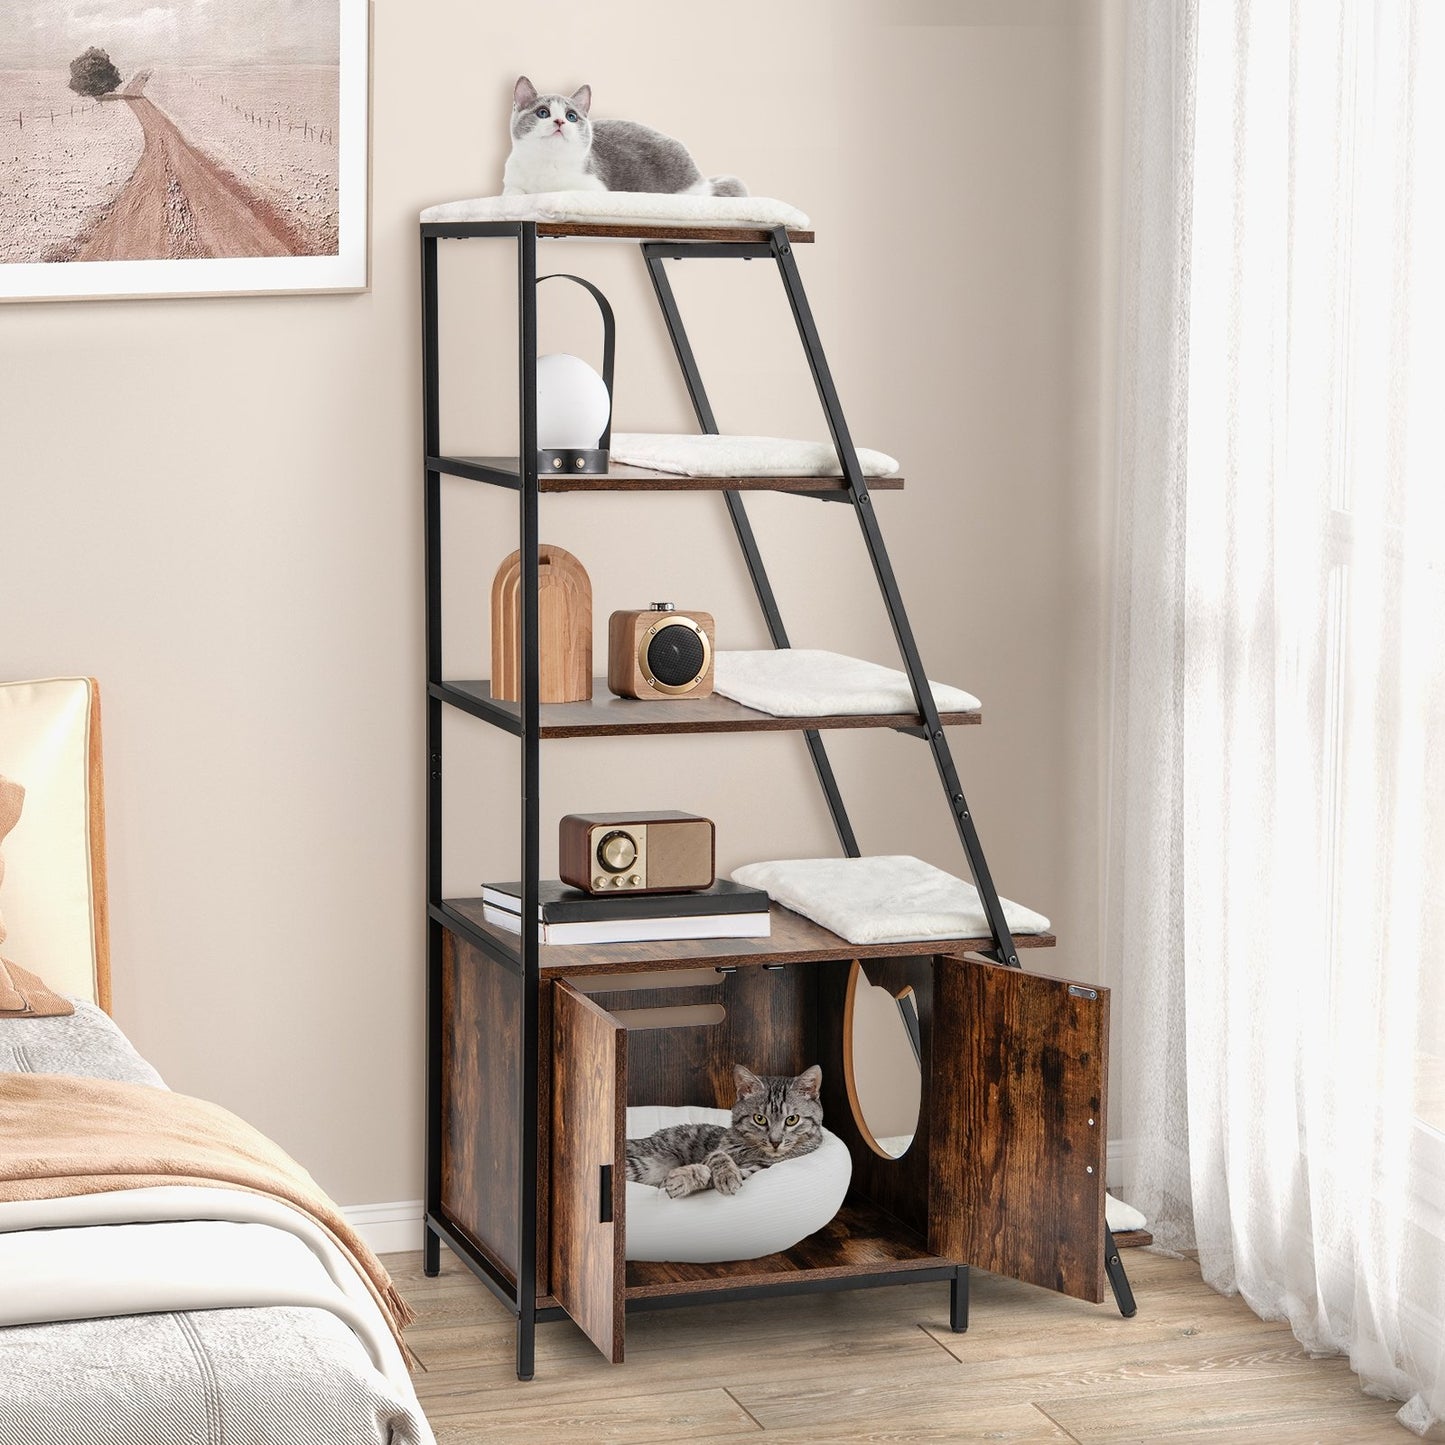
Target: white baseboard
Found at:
393, 1228
387, 1228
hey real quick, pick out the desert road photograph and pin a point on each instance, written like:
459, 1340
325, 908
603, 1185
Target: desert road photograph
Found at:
204, 130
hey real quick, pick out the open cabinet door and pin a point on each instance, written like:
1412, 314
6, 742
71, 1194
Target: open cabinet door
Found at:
589, 1176
1017, 1131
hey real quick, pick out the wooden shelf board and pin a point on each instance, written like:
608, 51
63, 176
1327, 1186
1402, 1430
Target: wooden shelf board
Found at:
794, 939
1133, 1239
860, 1240
608, 716
630, 231
506, 471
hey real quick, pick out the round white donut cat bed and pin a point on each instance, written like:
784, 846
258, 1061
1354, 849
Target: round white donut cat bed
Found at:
773, 1211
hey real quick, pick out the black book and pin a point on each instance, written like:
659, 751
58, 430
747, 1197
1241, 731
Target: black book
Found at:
557, 902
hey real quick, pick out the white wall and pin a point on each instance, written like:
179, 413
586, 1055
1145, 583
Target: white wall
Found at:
214, 506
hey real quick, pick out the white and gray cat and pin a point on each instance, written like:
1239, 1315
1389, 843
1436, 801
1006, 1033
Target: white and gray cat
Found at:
774, 1118
557, 147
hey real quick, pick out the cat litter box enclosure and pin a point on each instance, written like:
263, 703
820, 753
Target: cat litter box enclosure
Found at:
773, 1211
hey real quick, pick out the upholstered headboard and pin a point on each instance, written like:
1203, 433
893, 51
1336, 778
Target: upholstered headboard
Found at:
53, 897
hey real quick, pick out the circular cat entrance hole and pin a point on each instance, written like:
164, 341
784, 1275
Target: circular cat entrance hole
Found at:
881, 1063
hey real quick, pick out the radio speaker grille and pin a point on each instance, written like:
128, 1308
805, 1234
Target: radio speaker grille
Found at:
675, 655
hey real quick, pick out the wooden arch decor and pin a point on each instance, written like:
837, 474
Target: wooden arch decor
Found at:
564, 628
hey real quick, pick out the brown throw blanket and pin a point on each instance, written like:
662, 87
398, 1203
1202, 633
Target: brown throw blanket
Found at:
62, 1136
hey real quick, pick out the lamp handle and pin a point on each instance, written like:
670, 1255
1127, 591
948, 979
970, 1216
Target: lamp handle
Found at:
609, 339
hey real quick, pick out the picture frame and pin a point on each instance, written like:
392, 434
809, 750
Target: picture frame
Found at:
230, 155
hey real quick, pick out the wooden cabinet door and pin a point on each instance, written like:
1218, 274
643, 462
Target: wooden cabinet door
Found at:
1017, 1132
589, 1175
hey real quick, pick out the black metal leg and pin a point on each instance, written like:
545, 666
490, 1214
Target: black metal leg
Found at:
747, 541
431, 445
888, 585
531, 793
526, 1346
1118, 1280
958, 1301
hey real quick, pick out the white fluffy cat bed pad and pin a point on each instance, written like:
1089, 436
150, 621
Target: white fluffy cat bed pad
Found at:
616, 208
882, 900
809, 682
774, 1210
700, 455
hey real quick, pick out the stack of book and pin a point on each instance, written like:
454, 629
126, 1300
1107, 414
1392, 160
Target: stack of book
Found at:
567, 915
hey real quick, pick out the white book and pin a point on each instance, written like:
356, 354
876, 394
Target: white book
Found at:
639, 930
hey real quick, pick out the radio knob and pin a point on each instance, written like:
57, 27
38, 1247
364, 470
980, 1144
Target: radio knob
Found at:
618, 852
599, 881
634, 879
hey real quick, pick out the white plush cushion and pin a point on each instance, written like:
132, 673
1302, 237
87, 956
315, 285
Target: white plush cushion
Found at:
812, 682
773, 1210
624, 207
1122, 1217
700, 454
888, 899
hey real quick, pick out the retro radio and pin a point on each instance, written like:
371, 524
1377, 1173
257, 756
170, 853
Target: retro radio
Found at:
660, 653
636, 852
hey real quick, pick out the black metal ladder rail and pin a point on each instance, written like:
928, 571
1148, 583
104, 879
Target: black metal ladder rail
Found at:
742, 526
779, 248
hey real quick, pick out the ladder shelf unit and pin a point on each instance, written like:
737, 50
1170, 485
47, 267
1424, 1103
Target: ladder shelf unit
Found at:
528, 1071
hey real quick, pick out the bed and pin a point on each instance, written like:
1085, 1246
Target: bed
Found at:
171, 1312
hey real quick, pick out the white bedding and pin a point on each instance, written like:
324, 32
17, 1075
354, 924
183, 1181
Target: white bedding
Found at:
882, 900
700, 454
190, 1314
148, 1251
86, 1044
808, 682
623, 207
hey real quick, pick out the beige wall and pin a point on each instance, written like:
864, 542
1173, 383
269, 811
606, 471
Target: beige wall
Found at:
214, 507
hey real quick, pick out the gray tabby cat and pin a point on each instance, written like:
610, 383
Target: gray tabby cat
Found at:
556, 147
773, 1119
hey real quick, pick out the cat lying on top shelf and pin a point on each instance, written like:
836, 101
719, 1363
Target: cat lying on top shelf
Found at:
773, 1119
556, 147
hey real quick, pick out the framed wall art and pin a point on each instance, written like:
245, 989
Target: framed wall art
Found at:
183, 147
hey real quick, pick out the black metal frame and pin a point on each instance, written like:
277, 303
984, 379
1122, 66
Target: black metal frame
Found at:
520, 1296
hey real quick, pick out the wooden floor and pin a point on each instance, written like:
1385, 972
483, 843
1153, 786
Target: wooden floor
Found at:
882, 1365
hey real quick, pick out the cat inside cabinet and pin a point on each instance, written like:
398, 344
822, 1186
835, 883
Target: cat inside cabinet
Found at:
1004, 1169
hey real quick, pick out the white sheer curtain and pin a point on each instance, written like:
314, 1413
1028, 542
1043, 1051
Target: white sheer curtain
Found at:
1277, 833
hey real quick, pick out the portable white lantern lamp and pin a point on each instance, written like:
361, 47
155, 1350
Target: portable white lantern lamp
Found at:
574, 403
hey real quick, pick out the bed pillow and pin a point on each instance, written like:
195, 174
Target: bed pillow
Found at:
22, 995
12, 797
773, 1211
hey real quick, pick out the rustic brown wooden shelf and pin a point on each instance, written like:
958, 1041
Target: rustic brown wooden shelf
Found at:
608, 716
794, 939
506, 472
861, 1239
1134, 1239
